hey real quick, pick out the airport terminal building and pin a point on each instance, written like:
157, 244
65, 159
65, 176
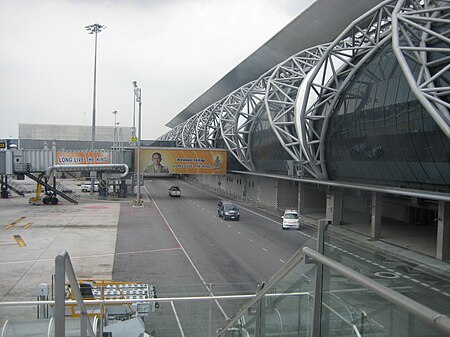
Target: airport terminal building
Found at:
354, 126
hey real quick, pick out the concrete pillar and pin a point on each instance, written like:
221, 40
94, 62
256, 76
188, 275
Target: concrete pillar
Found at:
443, 231
301, 197
375, 215
334, 207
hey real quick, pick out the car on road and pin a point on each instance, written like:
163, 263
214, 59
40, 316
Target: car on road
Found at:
290, 219
219, 205
229, 211
174, 191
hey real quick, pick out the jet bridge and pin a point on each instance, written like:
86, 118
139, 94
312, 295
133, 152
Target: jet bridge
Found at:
41, 165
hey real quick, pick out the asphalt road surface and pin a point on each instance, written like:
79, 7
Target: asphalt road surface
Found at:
182, 247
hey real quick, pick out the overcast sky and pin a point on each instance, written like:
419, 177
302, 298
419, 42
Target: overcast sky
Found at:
174, 49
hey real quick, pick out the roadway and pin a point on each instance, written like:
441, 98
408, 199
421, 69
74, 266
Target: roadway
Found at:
182, 247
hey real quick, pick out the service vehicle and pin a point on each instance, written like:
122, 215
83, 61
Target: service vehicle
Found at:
229, 211
87, 188
174, 191
290, 219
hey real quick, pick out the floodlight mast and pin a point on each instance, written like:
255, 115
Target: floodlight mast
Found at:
94, 29
137, 94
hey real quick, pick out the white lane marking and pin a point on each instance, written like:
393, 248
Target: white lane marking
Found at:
229, 226
94, 255
178, 320
251, 240
187, 255
239, 233
282, 261
264, 249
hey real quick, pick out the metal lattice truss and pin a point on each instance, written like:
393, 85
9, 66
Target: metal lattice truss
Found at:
337, 66
283, 88
239, 113
188, 135
208, 130
300, 94
414, 40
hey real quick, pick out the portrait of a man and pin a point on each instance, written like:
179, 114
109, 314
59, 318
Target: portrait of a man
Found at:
156, 166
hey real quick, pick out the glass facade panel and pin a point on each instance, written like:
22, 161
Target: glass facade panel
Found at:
380, 133
267, 152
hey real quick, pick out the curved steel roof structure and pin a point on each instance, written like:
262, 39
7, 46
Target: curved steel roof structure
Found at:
299, 94
320, 23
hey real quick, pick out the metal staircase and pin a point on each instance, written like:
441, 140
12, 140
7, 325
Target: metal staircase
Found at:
16, 188
39, 179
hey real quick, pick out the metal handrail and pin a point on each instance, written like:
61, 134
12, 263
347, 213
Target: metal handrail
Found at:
148, 300
430, 316
63, 267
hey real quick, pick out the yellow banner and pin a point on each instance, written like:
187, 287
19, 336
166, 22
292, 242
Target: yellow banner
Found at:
163, 161
81, 157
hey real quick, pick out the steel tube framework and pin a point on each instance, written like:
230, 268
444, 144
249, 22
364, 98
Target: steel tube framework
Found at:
300, 95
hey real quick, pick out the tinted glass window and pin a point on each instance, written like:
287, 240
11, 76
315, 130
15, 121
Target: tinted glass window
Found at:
381, 133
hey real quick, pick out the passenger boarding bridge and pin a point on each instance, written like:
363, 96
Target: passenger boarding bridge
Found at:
41, 166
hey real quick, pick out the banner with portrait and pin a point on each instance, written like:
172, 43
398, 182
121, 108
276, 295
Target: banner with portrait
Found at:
167, 161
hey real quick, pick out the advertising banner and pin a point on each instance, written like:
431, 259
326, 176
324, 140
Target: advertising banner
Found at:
164, 161
81, 157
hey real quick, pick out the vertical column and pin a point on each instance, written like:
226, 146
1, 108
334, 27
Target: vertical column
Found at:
375, 215
334, 207
301, 197
443, 231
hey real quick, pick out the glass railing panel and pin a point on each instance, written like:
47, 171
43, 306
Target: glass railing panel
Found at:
17, 292
286, 308
390, 266
351, 310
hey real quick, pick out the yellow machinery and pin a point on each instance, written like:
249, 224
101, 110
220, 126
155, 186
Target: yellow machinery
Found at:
49, 198
37, 197
92, 289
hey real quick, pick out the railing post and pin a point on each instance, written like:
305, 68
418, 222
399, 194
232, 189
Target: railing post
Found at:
60, 294
317, 309
258, 317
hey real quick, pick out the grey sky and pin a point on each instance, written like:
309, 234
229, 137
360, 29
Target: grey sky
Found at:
175, 50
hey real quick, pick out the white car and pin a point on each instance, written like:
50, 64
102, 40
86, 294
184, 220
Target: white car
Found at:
87, 188
174, 191
290, 219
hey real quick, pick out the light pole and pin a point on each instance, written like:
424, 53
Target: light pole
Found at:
94, 29
133, 130
115, 117
115, 137
137, 94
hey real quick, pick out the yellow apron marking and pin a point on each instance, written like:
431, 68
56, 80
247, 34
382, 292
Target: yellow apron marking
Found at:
16, 221
19, 240
11, 224
27, 225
